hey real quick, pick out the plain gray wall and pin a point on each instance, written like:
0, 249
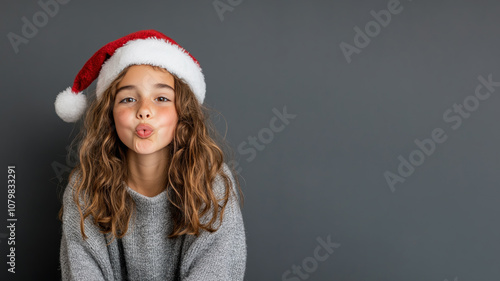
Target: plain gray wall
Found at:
322, 176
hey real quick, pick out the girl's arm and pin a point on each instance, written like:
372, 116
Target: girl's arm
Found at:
221, 255
79, 259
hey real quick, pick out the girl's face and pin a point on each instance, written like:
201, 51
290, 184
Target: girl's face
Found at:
144, 110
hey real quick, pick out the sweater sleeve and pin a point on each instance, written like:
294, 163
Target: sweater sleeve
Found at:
221, 255
79, 259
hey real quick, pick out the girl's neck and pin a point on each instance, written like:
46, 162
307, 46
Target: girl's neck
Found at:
147, 173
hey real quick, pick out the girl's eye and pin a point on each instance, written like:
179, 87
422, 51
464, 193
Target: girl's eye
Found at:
163, 99
127, 100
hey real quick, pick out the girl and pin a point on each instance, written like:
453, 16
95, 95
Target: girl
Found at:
151, 197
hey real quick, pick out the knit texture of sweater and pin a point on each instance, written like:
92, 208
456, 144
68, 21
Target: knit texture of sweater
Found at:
145, 252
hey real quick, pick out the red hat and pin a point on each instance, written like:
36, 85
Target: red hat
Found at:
142, 47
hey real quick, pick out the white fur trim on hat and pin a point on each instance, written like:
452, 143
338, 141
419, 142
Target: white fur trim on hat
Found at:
70, 106
157, 52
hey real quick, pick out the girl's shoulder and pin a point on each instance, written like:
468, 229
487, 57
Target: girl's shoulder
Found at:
71, 213
76, 175
68, 195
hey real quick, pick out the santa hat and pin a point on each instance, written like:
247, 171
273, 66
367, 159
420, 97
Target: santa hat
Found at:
143, 47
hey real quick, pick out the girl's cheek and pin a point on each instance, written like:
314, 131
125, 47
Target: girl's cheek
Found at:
168, 117
173, 117
121, 115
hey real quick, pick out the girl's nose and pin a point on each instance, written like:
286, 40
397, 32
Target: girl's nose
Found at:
144, 111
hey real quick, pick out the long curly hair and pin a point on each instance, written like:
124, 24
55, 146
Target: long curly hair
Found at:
196, 154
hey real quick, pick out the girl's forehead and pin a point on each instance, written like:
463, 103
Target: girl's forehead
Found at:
147, 74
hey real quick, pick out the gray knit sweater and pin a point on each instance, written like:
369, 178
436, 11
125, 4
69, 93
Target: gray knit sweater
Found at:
145, 252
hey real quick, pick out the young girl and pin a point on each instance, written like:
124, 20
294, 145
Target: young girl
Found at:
151, 197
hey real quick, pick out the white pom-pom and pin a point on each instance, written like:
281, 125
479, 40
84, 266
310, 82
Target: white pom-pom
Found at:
70, 106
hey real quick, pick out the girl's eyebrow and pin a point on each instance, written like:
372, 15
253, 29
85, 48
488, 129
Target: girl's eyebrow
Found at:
132, 87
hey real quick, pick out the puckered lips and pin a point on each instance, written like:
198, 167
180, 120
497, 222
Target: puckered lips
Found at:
144, 130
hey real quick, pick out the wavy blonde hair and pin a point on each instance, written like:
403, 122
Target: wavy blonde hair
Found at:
195, 156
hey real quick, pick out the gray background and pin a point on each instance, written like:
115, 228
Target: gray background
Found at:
323, 174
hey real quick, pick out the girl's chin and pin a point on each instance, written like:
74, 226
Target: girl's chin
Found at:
148, 150
143, 149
